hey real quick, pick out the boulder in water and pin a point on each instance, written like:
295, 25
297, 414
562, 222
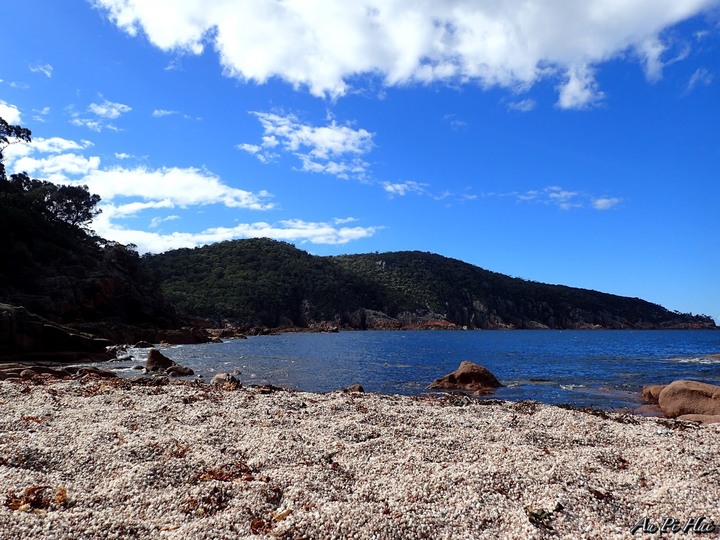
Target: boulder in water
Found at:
469, 377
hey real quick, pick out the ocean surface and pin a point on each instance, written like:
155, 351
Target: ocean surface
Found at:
587, 368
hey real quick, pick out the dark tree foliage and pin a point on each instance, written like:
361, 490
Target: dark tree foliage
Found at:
256, 281
53, 265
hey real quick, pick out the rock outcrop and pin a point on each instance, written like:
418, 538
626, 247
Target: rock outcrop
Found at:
25, 336
469, 377
681, 398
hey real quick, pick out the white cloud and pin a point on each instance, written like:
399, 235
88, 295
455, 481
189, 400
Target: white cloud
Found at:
605, 203
59, 161
18, 156
159, 113
56, 145
287, 230
322, 45
580, 90
182, 187
108, 109
331, 149
128, 192
58, 168
562, 198
651, 51
404, 188
9, 113
45, 69
122, 155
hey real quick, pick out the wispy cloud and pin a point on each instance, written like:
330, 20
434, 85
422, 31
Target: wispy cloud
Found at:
93, 125
400, 189
18, 85
331, 149
157, 221
524, 105
559, 197
159, 113
107, 110
701, 76
605, 203
41, 114
44, 69
455, 122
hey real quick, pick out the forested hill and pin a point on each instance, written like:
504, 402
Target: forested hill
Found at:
264, 282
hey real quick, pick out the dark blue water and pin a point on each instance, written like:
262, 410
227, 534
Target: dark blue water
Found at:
604, 369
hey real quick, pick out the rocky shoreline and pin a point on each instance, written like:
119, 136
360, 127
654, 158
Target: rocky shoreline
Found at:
96, 458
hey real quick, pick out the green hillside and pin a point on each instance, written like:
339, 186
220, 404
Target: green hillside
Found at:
265, 282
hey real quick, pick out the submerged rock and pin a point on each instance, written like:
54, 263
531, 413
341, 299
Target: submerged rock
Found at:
468, 377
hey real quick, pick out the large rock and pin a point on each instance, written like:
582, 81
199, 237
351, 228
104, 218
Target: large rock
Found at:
157, 361
650, 394
468, 377
180, 371
689, 397
225, 380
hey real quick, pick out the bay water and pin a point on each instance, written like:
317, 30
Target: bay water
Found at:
586, 368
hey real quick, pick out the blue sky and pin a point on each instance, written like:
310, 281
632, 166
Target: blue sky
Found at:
559, 141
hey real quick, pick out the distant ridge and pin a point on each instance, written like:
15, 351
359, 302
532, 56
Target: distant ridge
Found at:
262, 282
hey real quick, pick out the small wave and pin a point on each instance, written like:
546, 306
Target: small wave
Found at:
399, 366
530, 382
572, 386
706, 360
